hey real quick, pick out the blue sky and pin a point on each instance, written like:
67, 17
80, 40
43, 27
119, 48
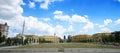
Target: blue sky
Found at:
62, 17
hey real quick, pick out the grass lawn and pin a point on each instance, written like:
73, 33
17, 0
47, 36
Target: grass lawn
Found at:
61, 46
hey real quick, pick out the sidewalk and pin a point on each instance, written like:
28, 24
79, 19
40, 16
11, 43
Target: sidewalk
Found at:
8, 47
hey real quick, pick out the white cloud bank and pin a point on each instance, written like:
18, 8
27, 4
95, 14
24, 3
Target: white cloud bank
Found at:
74, 19
106, 22
117, 21
104, 27
11, 12
10, 8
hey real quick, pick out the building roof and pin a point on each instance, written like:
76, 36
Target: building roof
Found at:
3, 24
50, 36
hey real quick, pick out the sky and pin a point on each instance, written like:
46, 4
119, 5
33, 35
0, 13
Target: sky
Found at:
63, 17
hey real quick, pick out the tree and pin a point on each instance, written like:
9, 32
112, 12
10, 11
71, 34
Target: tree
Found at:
43, 40
9, 41
111, 38
20, 41
2, 38
0, 34
117, 36
34, 40
61, 40
26, 41
69, 38
40, 40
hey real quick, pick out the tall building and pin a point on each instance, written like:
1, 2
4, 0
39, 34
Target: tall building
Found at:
98, 36
80, 38
4, 29
53, 39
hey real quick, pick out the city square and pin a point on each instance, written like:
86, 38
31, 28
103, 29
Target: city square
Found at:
59, 26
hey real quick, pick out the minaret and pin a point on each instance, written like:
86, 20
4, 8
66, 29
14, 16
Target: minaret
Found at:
23, 27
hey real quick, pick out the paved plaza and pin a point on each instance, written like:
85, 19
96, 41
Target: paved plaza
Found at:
55, 50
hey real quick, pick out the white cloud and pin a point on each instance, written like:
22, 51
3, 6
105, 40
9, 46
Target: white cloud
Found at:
107, 21
60, 30
70, 29
80, 19
46, 19
31, 24
88, 26
58, 12
105, 29
10, 8
59, 15
31, 4
117, 21
45, 3
11, 12
74, 19
34, 24
62, 17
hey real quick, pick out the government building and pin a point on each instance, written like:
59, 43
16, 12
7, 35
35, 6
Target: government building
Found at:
53, 39
4, 29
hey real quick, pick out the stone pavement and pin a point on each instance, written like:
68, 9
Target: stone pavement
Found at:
90, 50
55, 50
8, 47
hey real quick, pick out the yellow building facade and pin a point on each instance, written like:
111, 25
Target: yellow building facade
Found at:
53, 39
78, 38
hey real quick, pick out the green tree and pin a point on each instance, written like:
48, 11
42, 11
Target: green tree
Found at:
9, 41
34, 40
30, 40
26, 41
40, 40
2, 38
20, 41
111, 38
61, 40
69, 38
